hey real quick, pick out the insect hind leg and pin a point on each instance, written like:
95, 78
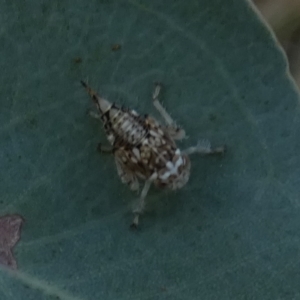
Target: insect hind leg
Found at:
126, 176
174, 131
140, 205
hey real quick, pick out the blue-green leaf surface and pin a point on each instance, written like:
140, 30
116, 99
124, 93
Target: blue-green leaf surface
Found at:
231, 233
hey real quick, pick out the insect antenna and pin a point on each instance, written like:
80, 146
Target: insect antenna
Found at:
102, 104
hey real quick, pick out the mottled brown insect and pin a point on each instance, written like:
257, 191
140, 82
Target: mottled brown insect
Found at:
145, 150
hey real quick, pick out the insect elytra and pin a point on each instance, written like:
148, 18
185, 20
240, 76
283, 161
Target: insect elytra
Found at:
144, 149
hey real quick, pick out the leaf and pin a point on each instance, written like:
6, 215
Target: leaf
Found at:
232, 233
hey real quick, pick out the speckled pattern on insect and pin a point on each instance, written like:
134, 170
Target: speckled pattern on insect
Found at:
144, 149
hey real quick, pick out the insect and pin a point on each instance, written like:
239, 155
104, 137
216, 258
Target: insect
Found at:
145, 150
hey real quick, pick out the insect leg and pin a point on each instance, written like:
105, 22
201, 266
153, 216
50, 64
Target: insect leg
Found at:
167, 118
204, 147
126, 176
100, 147
139, 208
93, 114
175, 132
105, 149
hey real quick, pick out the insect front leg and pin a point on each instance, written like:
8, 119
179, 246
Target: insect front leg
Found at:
105, 149
93, 114
175, 132
100, 147
204, 147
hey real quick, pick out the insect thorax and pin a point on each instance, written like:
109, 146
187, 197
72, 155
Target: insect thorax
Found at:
123, 127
